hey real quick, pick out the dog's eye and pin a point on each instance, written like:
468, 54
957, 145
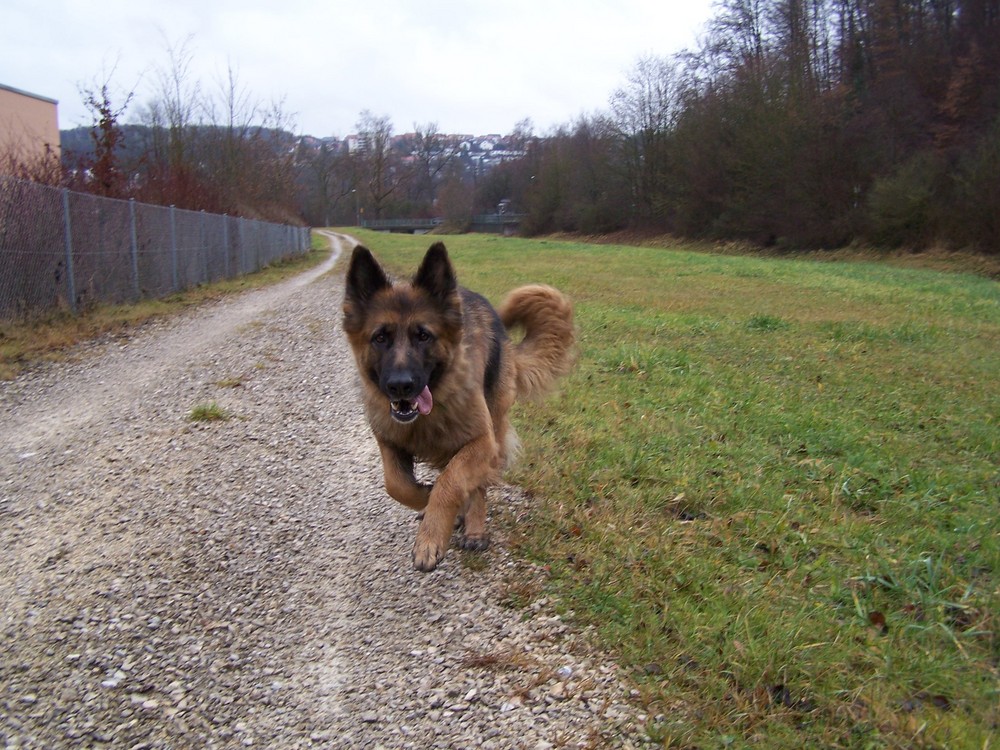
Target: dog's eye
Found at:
423, 336
381, 338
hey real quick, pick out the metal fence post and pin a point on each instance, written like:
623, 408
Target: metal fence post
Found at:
70, 284
225, 246
203, 247
243, 246
135, 248
173, 246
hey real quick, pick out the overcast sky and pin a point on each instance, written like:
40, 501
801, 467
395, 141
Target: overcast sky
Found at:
474, 67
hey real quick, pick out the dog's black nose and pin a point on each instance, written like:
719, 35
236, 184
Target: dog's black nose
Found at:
401, 385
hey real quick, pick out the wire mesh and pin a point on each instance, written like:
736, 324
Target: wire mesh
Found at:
65, 250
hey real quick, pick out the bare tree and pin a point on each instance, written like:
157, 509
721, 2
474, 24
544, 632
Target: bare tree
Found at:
241, 147
170, 115
104, 171
737, 34
455, 202
219, 149
432, 157
329, 184
179, 97
644, 112
381, 172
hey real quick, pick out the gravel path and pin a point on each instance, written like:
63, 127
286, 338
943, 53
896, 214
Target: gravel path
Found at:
247, 582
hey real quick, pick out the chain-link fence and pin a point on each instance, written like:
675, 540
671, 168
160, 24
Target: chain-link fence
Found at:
61, 249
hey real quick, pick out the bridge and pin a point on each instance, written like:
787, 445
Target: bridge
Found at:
505, 224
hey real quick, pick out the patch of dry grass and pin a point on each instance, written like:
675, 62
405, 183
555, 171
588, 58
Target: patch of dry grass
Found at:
53, 336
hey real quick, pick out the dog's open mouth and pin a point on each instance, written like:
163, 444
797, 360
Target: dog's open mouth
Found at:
405, 410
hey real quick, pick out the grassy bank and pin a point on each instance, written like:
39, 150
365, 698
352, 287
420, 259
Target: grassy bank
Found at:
772, 487
48, 337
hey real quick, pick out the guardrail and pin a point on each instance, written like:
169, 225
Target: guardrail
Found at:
415, 224
499, 218
401, 223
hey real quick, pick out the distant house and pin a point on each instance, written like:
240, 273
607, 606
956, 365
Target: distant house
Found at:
356, 143
29, 126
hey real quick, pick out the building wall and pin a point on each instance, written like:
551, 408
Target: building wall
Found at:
29, 125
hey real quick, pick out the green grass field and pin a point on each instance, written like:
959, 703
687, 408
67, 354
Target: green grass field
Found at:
771, 485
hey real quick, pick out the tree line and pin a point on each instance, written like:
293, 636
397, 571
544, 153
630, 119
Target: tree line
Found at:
795, 123
799, 123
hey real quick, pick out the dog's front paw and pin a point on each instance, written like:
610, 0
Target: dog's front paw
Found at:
474, 542
427, 555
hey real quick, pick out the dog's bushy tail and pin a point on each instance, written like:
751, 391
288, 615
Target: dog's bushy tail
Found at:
548, 350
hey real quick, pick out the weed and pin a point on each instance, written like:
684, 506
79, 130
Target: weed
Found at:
210, 412
761, 322
499, 661
474, 561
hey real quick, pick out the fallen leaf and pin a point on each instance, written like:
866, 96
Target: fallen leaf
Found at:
877, 619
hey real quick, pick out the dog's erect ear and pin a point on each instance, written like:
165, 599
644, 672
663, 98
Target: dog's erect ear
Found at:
365, 276
436, 276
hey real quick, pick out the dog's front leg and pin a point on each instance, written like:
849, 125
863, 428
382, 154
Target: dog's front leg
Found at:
474, 466
402, 486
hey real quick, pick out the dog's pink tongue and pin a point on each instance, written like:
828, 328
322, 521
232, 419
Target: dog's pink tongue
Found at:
425, 402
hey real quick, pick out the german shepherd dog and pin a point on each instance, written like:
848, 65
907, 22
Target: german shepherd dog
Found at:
439, 374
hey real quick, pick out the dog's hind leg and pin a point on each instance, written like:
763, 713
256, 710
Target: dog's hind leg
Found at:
400, 483
474, 537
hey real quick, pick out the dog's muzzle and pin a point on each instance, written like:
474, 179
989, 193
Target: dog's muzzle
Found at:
406, 410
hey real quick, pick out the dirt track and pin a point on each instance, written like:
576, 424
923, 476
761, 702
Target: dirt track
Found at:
166, 583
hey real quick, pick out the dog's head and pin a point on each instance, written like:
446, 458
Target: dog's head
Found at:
403, 334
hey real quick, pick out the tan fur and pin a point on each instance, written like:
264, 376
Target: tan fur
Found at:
546, 316
467, 434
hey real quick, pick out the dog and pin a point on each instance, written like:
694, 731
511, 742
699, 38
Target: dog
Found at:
439, 373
